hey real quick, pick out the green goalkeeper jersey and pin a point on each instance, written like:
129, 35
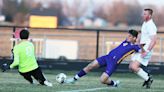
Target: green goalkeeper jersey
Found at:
24, 57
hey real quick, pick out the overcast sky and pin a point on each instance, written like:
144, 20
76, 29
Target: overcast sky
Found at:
157, 3
153, 2
142, 2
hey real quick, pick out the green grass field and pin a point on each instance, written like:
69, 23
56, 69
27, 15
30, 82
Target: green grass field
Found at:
11, 81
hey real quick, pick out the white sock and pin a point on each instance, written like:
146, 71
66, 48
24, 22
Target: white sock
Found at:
76, 77
143, 74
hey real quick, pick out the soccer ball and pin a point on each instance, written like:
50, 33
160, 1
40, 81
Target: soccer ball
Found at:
61, 77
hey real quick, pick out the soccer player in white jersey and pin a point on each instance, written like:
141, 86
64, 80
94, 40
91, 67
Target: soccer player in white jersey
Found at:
148, 38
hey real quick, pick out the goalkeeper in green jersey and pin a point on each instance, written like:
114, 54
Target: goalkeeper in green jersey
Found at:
24, 58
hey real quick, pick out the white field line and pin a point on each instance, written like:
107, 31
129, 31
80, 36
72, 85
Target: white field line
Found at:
84, 90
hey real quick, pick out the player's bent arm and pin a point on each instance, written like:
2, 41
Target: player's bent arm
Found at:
142, 50
16, 60
153, 42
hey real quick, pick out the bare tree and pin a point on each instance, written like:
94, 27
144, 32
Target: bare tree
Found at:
134, 14
114, 13
14, 11
158, 15
75, 10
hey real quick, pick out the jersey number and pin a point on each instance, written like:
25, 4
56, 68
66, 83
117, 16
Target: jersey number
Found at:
29, 51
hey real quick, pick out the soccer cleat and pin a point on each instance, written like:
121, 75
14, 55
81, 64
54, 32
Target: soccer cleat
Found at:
149, 82
146, 82
116, 83
48, 84
5, 67
70, 80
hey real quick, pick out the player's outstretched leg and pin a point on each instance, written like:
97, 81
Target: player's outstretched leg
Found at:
38, 75
27, 76
135, 67
76, 77
105, 80
83, 72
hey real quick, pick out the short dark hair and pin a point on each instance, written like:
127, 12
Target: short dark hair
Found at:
149, 10
133, 32
24, 34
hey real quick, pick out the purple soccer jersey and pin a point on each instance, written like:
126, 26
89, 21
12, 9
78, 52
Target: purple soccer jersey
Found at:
117, 55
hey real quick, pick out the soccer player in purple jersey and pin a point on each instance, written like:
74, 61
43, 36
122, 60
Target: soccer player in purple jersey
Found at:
111, 60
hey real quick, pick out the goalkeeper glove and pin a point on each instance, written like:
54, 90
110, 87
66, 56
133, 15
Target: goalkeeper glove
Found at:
5, 67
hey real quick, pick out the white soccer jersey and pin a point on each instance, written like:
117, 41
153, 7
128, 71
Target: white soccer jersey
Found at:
148, 29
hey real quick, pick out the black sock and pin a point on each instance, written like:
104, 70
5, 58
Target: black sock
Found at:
81, 73
111, 84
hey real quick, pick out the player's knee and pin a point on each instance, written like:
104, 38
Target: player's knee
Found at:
130, 67
133, 67
103, 81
